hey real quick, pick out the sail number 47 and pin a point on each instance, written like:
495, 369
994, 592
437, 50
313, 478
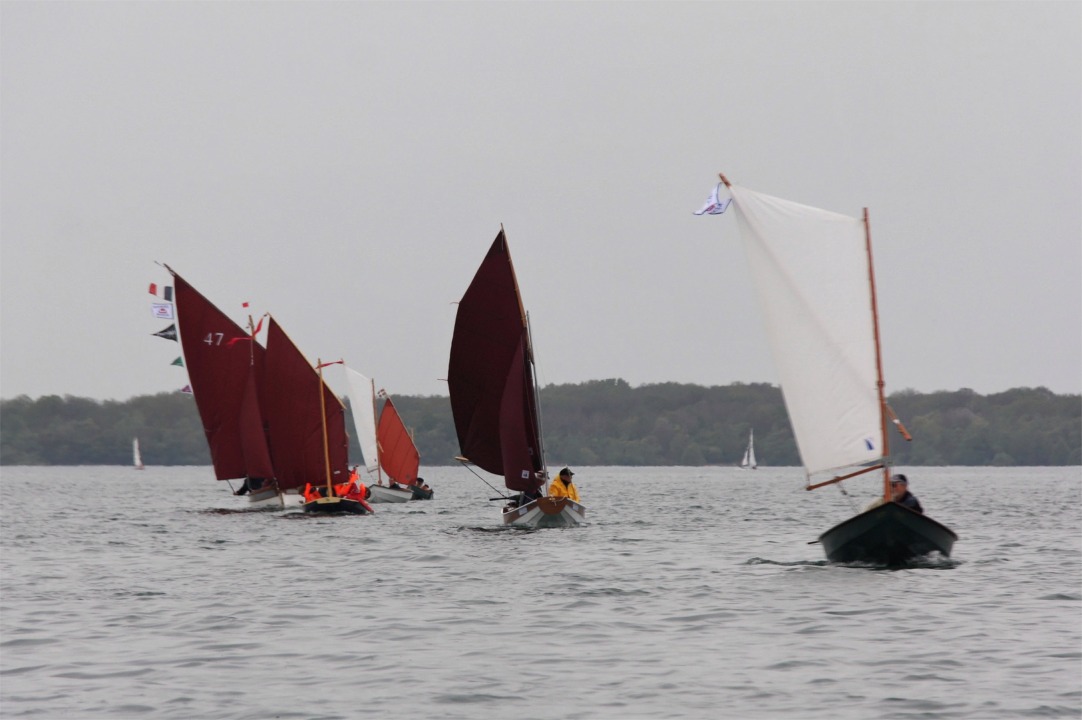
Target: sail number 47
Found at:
214, 338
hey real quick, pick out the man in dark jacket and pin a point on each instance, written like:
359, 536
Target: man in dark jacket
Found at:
899, 487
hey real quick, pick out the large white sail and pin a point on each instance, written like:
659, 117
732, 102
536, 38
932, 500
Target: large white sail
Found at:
362, 404
810, 268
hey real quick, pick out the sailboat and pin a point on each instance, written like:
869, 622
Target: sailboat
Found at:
388, 447
307, 428
137, 457
225, 368
748, 461
815, 281
494, 396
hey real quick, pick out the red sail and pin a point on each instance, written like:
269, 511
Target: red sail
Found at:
397, 454
490, 377
292, 407
225, 379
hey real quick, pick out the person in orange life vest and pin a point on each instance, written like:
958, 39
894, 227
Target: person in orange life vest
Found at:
311, 493
357, 490
563, 487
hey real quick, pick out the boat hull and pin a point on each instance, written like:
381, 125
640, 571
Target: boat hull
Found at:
384, 494
337, 505
888, 534
546, 512
420, 493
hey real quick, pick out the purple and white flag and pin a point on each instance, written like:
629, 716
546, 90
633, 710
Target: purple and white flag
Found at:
713, 205
162, 311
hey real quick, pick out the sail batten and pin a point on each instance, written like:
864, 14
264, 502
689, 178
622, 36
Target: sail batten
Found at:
811, 275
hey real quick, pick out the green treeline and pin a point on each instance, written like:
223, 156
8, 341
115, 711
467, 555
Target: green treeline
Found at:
602, 422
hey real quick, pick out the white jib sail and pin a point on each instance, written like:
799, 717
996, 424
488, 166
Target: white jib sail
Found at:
362, 405
810, 268
751, 451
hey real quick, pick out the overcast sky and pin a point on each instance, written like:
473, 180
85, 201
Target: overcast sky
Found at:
345, 166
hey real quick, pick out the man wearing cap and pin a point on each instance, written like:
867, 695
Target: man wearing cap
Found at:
563, 487
899, 488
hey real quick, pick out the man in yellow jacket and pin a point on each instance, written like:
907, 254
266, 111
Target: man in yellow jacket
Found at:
563, 487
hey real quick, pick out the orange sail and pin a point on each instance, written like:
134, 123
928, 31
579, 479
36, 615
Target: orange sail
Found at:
398, 455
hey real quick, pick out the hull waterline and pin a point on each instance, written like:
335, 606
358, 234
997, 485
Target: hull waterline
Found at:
546, 513
888, 534
384, 494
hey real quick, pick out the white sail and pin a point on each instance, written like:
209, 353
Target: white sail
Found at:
362, 404
137, 457
748, 460
811, 273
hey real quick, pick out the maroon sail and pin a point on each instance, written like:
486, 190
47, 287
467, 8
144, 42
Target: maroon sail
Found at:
397, 454
490, 376
296, 418
225, 369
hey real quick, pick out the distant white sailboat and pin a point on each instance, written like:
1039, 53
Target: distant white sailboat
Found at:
748, 462
137, 457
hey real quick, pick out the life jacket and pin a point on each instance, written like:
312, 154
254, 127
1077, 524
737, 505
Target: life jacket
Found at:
357, 491
311, 493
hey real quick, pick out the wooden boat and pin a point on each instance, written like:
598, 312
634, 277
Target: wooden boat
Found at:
388, 447
137, 457
748, 461
494, 394
225, 368
815, 281
307, 427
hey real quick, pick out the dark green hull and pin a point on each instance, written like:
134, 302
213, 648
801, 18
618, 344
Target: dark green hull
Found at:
889, 535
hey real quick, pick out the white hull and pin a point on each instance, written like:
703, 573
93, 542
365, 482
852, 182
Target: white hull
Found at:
384, 494
546, 513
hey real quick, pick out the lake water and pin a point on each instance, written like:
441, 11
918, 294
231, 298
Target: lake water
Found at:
691, 593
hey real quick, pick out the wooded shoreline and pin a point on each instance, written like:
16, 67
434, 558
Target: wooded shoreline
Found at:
600, 422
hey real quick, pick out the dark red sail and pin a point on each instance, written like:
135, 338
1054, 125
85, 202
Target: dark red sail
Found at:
490, 377
295, 417
225, 367
397, 454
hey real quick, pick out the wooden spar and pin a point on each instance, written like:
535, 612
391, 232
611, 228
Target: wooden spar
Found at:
878, 361
379, 461
323, 422
725, 180
838, 479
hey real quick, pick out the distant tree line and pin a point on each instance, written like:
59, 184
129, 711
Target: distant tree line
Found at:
602, 422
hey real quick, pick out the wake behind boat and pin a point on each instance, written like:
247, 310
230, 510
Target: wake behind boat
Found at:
494, 395
815, 281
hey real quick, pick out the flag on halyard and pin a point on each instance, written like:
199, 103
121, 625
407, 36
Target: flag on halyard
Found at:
179, 361
154, 289
187, 389
162, 311
713, 205
170, 333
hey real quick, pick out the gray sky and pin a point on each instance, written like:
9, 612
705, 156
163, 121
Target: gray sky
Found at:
345, 166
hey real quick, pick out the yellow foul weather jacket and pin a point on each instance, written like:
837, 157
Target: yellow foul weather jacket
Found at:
558, 489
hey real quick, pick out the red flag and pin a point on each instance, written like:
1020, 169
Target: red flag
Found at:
154, 289
244, 304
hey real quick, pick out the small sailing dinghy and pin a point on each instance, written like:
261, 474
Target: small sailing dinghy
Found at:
137, 457
225, 368
388, 447
748, 461
307, 429
494, 396
815, 281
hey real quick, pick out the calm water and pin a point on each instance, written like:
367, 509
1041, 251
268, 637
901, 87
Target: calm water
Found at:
692, 593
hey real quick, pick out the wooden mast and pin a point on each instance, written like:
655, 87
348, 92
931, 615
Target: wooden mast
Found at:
379, 461
323, 423
878, 361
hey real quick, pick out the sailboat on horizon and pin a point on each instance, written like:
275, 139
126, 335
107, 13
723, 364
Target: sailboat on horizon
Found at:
815, 280
137, 456
748, 462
